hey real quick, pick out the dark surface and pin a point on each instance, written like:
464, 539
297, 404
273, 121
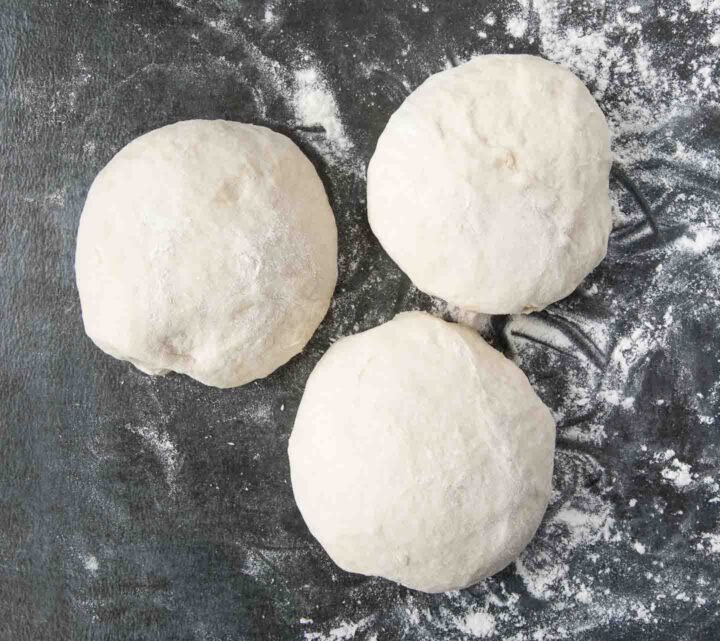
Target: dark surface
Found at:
156, 508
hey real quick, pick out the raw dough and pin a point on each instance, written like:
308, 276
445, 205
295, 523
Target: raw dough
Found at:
421, 454
207, 248
489, 185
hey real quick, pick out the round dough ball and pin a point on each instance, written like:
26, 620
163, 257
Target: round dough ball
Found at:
489, 185
421, 454
207, 248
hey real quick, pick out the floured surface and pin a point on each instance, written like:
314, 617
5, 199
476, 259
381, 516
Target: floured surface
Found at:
161, 509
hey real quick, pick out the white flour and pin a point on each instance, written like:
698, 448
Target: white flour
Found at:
315, 106
346, 630
302, 86
163, 448
516, 27
91, 564
678, 474
477, 624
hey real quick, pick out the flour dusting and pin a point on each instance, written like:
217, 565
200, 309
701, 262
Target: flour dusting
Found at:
480, 625
163, 448
678, 474
315, 106
301, 86
516, 27
346, 630
91, 564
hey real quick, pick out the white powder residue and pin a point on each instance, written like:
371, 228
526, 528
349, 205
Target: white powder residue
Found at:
253, 566
678, 474
544, 574
163, 448
541, 583
598, 53
263, 564
477, 624
517, 27
301, 86
315, 106
702, 240
90, 563
269, 15
585, 527
584, 594
710, 543
711, 484
592, 433
412, 615
346, 630
639, 547
57, 197
709, 6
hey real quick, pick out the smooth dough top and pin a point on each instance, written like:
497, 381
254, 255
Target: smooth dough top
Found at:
421, 454
489, 185
207, 248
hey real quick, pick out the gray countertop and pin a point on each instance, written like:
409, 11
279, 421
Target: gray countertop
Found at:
139, 508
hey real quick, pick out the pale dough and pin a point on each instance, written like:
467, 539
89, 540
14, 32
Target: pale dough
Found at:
489, 185
421, 454
207, 248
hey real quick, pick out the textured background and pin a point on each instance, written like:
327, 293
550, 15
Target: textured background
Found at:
156, 508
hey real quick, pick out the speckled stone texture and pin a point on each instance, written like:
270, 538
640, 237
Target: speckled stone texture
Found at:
139, 508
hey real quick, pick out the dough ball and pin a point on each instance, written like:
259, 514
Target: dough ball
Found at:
421, 454
489, 185
207, 248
